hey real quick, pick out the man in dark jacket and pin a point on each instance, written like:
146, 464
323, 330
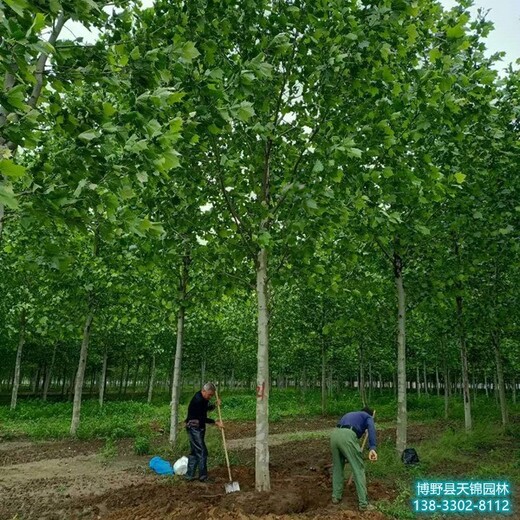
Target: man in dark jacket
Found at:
196, 428
345, 447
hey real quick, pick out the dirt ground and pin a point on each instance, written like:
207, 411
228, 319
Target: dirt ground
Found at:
68, 480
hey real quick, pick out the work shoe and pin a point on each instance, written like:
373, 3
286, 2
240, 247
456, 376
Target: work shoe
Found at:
189, 479
368, 507
335, 500
207, 480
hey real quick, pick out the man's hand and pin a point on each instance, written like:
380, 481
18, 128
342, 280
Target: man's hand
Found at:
218, 402
220, 424
372, 455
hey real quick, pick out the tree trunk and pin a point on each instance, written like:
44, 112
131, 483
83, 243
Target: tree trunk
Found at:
362, 393
103, 379
151, 380
500, 378
418, 381
63, 383
425, 378
402, 416
464, 364
127, 378
92, 381
121, 379
323, 377
18, 362
437, 382
80, 375
486, 385
203, 372
262, 477
514, 390
370, 382
446, 390
176, 377
136, 375
48, 374
35, 381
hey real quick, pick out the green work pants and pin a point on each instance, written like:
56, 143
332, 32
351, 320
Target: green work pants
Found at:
345, 447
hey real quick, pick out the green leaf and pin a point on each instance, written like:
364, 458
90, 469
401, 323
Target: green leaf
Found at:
55, 6
423, 229
311, 203
455, 32
88, 135
135, 54
38, 24
16, 97
189, 51
318, 167
7, 196
244, 111
264, 238
435, 54
81, 184
459, 177
108, 109
354, 152
127, 192
92, 4
142, 176
171, 159
17, 6
10, 169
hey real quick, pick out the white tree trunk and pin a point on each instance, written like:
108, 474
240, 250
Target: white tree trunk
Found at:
500, 378
48, 375
464, 363
2, 212
402, 415
446, 391
323, 378
176, 378
18, 363
152, 380
362, 385
103, 378
80, 375
174, 414
262, 478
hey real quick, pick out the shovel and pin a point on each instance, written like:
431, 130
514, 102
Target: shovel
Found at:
231, 486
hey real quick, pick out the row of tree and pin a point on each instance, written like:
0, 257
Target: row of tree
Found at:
302, 166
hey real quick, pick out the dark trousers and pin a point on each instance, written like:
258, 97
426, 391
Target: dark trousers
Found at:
199, 453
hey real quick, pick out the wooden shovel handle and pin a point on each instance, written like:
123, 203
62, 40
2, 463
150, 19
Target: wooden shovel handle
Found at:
223, 437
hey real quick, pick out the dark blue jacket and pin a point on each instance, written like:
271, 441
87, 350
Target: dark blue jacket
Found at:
360, 422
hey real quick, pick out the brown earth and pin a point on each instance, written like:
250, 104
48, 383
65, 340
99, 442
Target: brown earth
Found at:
68, 480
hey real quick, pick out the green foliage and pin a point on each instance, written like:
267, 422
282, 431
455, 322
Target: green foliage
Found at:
142, 445
109, 451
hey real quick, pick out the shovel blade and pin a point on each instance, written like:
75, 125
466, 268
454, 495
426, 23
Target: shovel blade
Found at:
232, 487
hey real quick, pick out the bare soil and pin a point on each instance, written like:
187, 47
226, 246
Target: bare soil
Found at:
68, 480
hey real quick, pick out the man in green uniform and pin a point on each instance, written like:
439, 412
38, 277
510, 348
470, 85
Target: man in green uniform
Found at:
345, 447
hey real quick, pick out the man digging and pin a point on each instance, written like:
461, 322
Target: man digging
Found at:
196, 429
345, 447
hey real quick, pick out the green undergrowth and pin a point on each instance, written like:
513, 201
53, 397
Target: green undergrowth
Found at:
131, 419
489, 452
